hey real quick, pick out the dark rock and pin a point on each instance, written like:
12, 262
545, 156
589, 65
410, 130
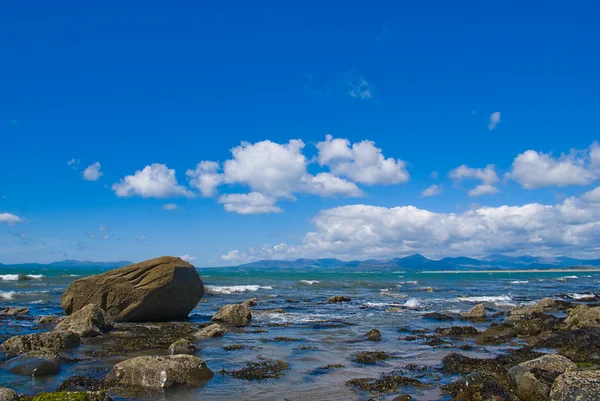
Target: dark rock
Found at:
268, 369
160, 371
373, 335
529, 379
437, 316
531, 327
386, 383
583, 316
88, 321
165, 288
370, 357
403, 397
251, 302
338, 298
182, 346
496, 335
459, 331
49, 319
54, 341
14, 311
581, 345
35, 363
81, 383
576, 386
69, 396
233, 314
213, 330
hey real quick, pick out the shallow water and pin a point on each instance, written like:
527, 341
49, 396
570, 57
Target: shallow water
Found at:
330, 327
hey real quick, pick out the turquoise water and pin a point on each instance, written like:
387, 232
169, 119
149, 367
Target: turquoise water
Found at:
330, 327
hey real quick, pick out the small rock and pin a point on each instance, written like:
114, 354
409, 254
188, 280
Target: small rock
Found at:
403, 397
35, 363
161, 371
394, 310
54, 341
496, 335
575, 386
531, 327
583, 316
73, 396
233, 314
251, 302
49, 319
182, 346
214, 330
7, 394
440, 317
373, 335
532, 380
14, 311
476, 313
88, 321
460, 331
337, 299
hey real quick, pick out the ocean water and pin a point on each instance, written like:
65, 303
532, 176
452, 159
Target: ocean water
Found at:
330, 327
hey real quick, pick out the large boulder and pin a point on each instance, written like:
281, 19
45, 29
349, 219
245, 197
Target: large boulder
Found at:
34, 363
88, 321
576, 386
475, 313
53, 341
7, 394
214, 330
583, 316
532, 380
161, 371
165, 288
233, 314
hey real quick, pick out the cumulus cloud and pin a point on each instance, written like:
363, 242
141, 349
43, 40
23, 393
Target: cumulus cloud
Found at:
592, 196
252, 203
10, 219
494, 120
432, 191
487, 176
188, 258
206, 177
154, 181
363, 231
232, 255
534, 169
92, 172
361, 162
170, 206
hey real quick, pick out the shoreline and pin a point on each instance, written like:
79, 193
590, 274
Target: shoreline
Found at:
594, 270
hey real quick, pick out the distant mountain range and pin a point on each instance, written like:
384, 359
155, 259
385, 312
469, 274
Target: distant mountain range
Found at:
420, 262
74, 263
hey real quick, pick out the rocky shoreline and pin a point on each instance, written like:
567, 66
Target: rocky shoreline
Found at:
139, 311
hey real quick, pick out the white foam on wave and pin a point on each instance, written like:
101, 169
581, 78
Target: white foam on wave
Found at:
520, 282
379, 304
17, 277
481, 299
309, 282
577, 296
7, 294
215, 289
565, 278
413, 303
409, 282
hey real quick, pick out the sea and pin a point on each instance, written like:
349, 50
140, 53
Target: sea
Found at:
325, 333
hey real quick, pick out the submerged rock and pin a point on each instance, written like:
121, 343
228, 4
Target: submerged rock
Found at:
70, 396
370, 357
475, 313
459, 331
496, 335
583, 316
165, 288
35, 363
182, 346
576, 386
6, 394
160, 371
214, 330
532, 380
233, 314
373, 335
14, 311
88, 321
387, 383
337, 299
53, 341
440, 317
262, 370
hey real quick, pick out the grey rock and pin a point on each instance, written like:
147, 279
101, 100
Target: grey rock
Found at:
88, 321
161, 371
475, 313
54, 341
14, 311
233, 314
373, 335
528, 385
496, 335
35, 363
50, 319
251, 302
576, 386
182, 346
7, 394
583, 316
214, 330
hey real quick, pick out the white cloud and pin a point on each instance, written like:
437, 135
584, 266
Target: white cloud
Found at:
592, 196
327, 184
10, 219
486, 175
232, 255
92, 172
170, 206
534, 169
154, 181
354, 84
494, 120
434, 175
432, 191
106, 237
363, 231
362, 162
252, 203
73, 162
206, 177
188, 258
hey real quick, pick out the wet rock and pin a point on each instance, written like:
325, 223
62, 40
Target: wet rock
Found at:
165, 288
370, 357
476, 313
532, 380
35, 363
441, 317
233, 314
489, 389
373, 335
251, 302
88, 321
182, 346
235, 347
213, 330
54, 341
403, 397
334, 366
531, 327
14, 311
69, 396
386, 383
337, 299
543, 305
394, 310
82, 383
583, 316
459, 331
496, 335
268, 369
160, 371
576, 386
49, 319
582, 345
7, 394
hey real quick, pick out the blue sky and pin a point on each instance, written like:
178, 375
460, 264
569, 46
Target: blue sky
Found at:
408, 92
